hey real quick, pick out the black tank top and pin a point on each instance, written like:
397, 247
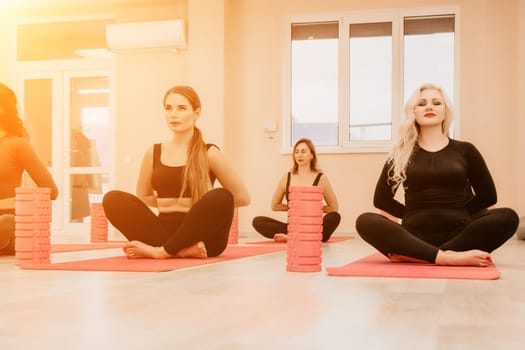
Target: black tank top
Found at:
316, 182
167, 180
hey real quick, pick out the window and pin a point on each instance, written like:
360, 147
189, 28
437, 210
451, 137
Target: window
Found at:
370, 81
429, 52
350, 74
315, 79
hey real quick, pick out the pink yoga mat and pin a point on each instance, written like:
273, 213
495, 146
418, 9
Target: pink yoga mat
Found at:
68, 247
121, 263
377, 265
331, 240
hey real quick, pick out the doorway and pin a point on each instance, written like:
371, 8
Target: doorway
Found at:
68, 114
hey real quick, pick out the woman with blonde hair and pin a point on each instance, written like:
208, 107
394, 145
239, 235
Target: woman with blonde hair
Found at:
448, 189
304, 172
177, 178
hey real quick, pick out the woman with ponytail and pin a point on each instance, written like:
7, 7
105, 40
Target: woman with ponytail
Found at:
177, 178
447, 216
16, 156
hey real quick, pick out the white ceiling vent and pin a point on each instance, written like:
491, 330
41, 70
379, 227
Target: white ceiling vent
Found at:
145, 36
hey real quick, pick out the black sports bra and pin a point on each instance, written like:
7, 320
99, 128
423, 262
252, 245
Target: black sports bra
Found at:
167, 180
316, 182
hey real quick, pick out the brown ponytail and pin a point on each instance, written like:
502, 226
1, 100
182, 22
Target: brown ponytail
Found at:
196, 172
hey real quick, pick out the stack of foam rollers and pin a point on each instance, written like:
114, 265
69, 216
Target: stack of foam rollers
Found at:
233, 236
99, 223
32, 225
305, 228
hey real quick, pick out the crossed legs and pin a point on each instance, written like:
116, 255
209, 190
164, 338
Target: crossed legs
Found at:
200, 233
471, 246
277, 230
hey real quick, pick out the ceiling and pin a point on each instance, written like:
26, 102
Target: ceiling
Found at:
23, 5
32, 9
54, 29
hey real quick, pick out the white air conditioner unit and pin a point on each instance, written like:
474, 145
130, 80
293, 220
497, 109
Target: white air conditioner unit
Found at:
145, 36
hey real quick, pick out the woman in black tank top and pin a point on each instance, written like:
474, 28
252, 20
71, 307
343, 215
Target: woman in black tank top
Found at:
177, 178
304, 172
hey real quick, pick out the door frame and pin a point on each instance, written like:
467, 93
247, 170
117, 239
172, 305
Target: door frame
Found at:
60, 72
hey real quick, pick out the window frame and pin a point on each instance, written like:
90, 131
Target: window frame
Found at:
345, 18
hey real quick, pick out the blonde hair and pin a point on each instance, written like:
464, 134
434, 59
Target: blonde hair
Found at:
408, 133
314, 165
197, 171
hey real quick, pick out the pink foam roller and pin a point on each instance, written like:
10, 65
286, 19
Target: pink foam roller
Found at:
24, 244
27, 208
24, 255
304, 260
305, 220
295, 189
300, 245
305, 228
32, 193
305, 212
23, 233
304, 251
99, 223
45, 190
25, 219
299, 205
303, 268
306, 196
42, 245
233, 235
31, 226
305, 237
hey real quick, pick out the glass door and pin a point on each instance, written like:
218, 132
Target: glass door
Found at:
68, 115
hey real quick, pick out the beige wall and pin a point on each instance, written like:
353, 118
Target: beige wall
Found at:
234, 60
141, 81
489, 62
143, 78
519, 133
488, 92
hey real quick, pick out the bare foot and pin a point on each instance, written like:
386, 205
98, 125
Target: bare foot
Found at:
472, 257
405, 259
138, 250
198, 251
280, 237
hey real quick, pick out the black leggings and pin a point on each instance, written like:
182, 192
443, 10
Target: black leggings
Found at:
268, 227
486, 231
209, 221
7, 231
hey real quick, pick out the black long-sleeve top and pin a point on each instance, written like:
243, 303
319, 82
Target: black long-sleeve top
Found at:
454, 177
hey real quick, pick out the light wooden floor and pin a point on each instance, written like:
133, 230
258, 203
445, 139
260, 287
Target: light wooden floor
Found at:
254, 303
